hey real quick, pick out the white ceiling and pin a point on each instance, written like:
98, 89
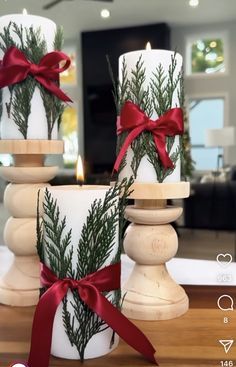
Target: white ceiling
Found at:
80, 15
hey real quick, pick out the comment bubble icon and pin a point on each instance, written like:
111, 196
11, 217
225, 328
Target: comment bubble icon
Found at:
225, 303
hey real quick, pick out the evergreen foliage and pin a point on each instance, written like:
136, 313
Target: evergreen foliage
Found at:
59, 39
156, 97
33, 45
21, 104
98, 237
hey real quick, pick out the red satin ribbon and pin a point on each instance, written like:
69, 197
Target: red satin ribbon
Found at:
15, 68
134, 119
89, 289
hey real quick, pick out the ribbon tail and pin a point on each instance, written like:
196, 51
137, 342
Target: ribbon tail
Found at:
43, 324
52, 87
120, 324
161, 149
129, 139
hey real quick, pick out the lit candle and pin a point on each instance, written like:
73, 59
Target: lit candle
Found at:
74, 204
37, 121
151, 60
79, 171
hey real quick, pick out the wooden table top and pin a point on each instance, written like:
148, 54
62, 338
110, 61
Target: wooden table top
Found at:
191, 340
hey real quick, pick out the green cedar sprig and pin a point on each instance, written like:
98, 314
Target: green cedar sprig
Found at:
95, 245
6, 40
54, 109
120, 90
59, 39
40, 232
56, 242
21, 104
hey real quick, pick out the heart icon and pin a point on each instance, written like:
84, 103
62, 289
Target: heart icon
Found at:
224, 260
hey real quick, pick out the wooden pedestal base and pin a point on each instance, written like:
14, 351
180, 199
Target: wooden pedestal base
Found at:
150, 292
20, 285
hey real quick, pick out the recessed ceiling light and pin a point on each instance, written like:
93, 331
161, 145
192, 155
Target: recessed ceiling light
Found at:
193, 3
105, 13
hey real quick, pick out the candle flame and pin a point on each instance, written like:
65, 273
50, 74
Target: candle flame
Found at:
79, 171
24, 11
148, 46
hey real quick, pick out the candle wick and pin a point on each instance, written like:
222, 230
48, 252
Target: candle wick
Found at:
80, 183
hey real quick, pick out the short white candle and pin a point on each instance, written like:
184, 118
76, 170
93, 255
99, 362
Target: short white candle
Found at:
37, 124
74, 203
151, 59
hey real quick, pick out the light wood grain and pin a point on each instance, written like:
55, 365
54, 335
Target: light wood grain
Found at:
160, 191
150, 292
190, 340
28, 174
31, 146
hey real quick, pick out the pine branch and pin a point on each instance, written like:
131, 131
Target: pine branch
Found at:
57, 247
139, 150
97, 241
21, 104
181, 90
120, 141
136, 83
59, 39
95, 246
98, 235
6, 40
18, 30
54, 108
120, 89
39, 231
123, 85
158, 90
35, 45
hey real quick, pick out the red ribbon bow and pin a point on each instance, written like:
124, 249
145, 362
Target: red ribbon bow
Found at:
134, 119
15, 68
89, 289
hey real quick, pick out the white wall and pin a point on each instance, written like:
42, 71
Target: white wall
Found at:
222, 84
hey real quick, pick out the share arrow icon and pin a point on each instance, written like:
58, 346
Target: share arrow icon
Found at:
227, 344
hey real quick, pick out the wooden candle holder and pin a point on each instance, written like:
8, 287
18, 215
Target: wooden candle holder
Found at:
20, 285
150, 293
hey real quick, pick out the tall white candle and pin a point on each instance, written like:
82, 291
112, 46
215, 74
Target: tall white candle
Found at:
74, 203
37, 124
151, 59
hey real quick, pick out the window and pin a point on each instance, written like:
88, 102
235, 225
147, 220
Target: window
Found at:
5, 160
204, 114
206, 54
69, 122
69, 76
69, 133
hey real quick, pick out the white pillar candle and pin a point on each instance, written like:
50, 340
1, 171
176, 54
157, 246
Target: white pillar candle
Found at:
37, 124
74, 203
151, 59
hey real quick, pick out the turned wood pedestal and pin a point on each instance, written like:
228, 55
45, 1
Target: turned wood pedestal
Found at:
20, 285
150, 293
